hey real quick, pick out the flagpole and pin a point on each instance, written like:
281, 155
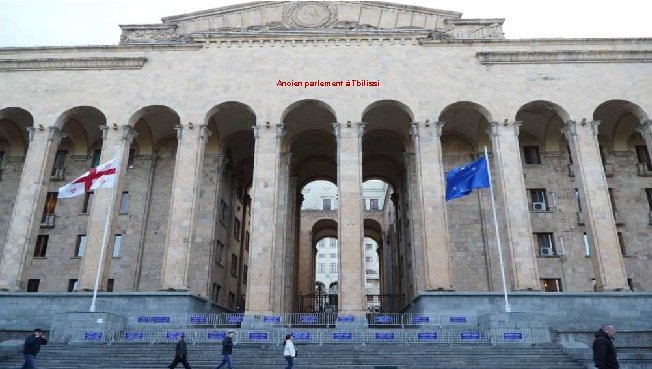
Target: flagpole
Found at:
508, 309
104, 237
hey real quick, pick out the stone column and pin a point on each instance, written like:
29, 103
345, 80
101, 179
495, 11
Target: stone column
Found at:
645, 129
414, 254
291, 247
183, 207
116, 143
516, 225
281, 247
435, 251
352, 299
28, 207
263, 218
608, 265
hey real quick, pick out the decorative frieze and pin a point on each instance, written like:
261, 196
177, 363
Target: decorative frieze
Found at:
565, 56
12, 65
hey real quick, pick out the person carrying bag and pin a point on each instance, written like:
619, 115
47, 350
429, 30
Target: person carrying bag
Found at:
289, 351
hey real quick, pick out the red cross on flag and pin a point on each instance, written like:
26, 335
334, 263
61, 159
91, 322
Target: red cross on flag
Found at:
101, 177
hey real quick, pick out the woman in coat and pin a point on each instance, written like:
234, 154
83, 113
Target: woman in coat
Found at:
289, 351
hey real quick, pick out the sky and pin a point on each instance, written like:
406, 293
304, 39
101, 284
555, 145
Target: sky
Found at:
95, 22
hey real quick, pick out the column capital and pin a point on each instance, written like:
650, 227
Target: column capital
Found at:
128, 134
571, 127
267, 128
422, 127
644, 127
359, 126
505, 126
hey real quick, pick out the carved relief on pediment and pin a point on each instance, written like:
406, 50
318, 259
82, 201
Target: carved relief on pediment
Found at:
310, 14
152, 35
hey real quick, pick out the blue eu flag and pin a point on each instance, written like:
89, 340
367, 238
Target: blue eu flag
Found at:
462, 180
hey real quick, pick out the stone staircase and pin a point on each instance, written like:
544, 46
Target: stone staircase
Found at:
327, 356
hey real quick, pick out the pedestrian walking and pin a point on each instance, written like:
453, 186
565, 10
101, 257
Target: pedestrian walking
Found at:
180, 354
227, 351
604, 351
289, 351
32, 346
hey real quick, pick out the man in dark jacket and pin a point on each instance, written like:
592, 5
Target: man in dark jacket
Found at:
31, 348
181, 351
604, 352
227, 350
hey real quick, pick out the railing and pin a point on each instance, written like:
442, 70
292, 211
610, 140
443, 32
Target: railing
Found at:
327, 303
431, 335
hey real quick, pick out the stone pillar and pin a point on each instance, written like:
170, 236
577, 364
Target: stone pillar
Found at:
291, 247
645, 129
281, 247
28, 207
415, 257
516, 225
263, 218
352, 299
435, 251
608, 265
115, 144
183, 207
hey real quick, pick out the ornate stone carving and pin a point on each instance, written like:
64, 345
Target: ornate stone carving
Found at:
148, 34
310, 14
10, 65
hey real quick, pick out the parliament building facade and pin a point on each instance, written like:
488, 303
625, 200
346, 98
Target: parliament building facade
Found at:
221, 117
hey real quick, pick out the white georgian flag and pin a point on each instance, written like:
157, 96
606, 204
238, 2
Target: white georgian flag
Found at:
101, 177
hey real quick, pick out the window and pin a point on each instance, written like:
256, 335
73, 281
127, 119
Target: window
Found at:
47, 220
333, 267
244, 273
321, 256
545, 242
215, 292
539, 199
321, 268
531, 155
648, 193
621, 243
333, 256
333, 243
234, 264
236, 229
231, 300
551, 285
41, 246
131, 158
109, 285
643, 156
219, 251
57, 166
587, 245
80, 245
370, 271
117, 243
577, 197
326, 204
88, 202
247, 241
368, 246
223, 211
367, 259
95, 158
124, 203
72, 285
630, 284
373, 204
32, 285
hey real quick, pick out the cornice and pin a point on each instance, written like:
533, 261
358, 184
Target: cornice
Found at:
12, 65
99, 48
565, 56
607, 42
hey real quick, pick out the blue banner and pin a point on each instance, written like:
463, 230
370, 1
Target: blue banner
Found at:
216, 335
427, 336
384, 336
301, 336
92, 336
382, 319
345, 319
200, 319
258, 336
513, 336
342, 336
457, 319
272, 319
134, 336
172, 335
308, 319
420, 319
234, 319
470, 335
153, 319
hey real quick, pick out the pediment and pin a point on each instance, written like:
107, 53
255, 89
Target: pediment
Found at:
300, 18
